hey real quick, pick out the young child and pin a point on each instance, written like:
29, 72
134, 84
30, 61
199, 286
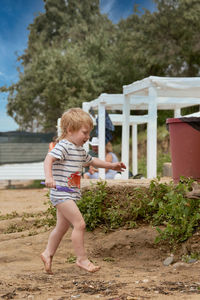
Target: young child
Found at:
63, 167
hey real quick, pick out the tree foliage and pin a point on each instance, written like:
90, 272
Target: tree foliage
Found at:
163, 43
75, 53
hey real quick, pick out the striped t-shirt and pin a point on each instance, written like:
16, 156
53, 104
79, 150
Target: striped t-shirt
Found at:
70, 160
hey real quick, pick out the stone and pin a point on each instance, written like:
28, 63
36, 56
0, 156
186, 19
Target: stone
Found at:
168, 261
192, 260
180, 265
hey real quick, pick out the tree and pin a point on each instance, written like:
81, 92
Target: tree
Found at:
74, 54
165, 42
162, 43
63, 65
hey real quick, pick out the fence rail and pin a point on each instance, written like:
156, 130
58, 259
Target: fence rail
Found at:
22, 171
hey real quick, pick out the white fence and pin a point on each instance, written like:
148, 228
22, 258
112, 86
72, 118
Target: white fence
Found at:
22, 171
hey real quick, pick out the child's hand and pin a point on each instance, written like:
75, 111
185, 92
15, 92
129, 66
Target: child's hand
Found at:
119, 166
92, 170
49, 182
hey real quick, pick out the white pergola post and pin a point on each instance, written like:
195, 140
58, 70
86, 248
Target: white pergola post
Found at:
177, 113
86, 107
58, 127
152, 135
125, 135
101, 133
134, 149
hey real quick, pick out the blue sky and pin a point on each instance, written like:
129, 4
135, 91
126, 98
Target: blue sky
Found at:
15, 16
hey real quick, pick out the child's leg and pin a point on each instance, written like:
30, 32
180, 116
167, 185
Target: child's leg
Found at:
55, 237
71, 212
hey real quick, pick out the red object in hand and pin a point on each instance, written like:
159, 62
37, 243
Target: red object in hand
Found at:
75, 180
52, 145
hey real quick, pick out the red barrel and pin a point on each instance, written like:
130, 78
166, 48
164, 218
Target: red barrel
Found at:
185, 147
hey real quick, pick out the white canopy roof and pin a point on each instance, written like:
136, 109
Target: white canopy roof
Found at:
172, 93
165, 86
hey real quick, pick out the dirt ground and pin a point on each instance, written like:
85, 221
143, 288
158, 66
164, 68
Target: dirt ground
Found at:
131, 264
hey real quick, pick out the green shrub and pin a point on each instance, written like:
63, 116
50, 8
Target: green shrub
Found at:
179, 214
91, 205
159, 204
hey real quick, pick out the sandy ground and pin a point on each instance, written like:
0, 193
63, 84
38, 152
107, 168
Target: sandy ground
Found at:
131, 264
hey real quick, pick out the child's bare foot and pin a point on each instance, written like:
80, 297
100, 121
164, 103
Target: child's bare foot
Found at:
87, 266
47, 263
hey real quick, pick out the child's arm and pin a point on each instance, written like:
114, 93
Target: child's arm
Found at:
108, 159
48, 162
98, 163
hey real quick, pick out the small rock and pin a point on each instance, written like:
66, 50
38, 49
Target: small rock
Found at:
128, 247
192, 260
168, 261
145, 280
30, 297
180, 265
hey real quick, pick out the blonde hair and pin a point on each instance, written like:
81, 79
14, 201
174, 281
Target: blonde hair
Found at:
73, 119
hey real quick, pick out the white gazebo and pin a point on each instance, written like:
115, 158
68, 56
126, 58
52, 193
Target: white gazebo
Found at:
150, 94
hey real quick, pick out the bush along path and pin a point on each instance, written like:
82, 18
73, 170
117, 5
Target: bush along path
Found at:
171, 209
